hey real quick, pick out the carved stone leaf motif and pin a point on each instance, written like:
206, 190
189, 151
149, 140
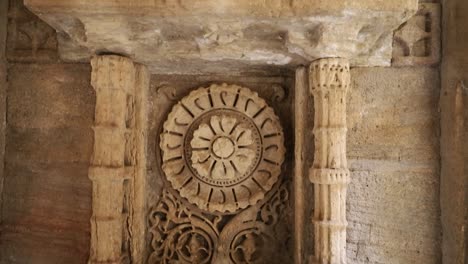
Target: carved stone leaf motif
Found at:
222, 148
249, 237
181, 235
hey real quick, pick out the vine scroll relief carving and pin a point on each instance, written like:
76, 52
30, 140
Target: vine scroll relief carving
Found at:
222, 151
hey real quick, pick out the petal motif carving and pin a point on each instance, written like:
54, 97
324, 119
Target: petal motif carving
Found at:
217, 146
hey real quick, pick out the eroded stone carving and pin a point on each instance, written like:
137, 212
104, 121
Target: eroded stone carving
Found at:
118, 166
168, 91
417, 42
29, 38
219, 36
182, 234
222, 148
329, 83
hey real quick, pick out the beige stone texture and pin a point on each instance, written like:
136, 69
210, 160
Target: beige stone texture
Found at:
47, 197
180, 36
454, 133
393, 153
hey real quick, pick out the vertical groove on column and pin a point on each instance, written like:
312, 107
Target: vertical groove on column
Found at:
329, 82
300, 115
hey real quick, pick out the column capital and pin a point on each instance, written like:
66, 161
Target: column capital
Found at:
329, 73
113, 72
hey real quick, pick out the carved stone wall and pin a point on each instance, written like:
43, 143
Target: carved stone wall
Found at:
392, 151
233, 202
392, 145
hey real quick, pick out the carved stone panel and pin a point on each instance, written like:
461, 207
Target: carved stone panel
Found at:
181, 234
224, 197
417, 42
222, 148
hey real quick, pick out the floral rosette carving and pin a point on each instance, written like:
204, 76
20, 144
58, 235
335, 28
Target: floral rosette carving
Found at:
222, 148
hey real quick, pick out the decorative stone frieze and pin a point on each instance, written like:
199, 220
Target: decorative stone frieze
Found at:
417, 42
329, 83
118, 166
222, 148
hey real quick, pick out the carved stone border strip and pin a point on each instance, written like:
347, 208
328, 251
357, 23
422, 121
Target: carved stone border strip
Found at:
118, 163
329, 83
300, 117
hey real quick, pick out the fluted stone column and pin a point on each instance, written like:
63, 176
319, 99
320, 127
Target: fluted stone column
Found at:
114, 169
329, 81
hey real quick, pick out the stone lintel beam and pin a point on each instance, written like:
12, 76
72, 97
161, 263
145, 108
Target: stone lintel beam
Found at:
215, 36
329, 82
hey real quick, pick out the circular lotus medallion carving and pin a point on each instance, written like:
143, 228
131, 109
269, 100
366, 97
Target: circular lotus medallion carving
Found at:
222, 148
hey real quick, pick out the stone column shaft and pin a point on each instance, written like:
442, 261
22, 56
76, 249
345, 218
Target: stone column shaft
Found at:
329, 82
113, 80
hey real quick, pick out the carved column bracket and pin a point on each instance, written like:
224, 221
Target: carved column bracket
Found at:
329, 82
118, 157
